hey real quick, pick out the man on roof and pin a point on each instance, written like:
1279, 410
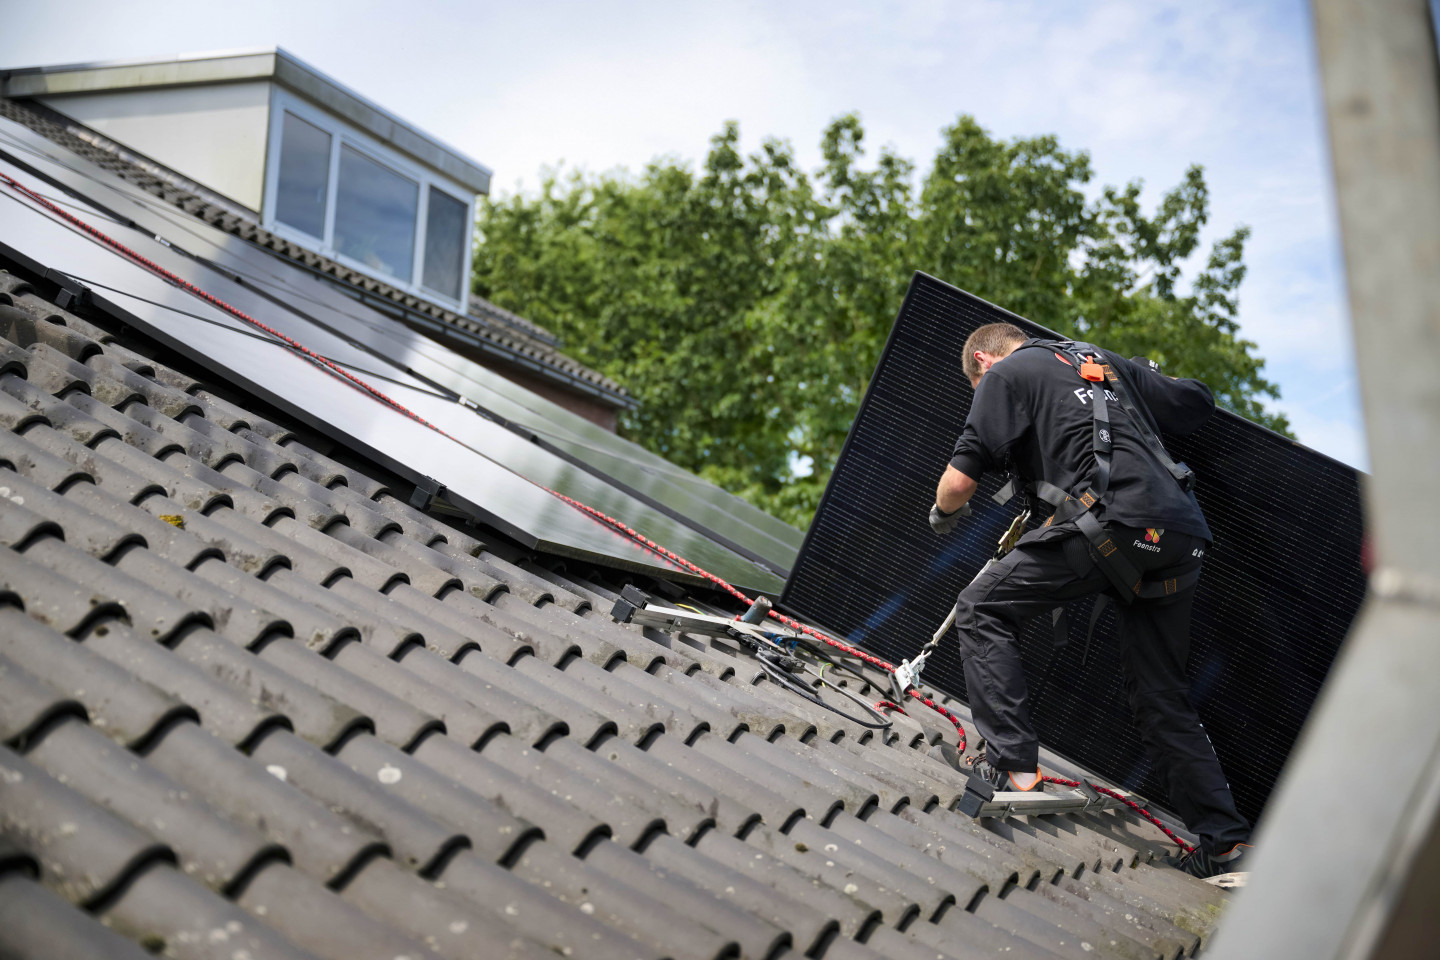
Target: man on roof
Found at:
1078, 428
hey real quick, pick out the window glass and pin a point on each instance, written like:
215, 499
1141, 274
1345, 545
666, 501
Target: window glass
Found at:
445, 231
375, 215
304, 176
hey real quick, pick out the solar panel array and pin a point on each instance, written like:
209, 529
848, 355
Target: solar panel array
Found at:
1282, 582
496, 472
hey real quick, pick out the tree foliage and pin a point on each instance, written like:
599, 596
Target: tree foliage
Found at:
746, 304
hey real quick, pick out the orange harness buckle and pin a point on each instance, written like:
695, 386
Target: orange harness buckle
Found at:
1092, 372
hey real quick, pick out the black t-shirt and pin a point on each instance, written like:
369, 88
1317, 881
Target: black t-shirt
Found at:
1033, 408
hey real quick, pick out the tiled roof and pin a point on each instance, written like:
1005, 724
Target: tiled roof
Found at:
492, 330
253, 705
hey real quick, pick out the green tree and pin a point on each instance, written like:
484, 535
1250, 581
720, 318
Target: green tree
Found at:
746, 304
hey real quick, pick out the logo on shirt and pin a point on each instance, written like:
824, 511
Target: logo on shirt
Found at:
1104, 436
1152, 539
1086, 395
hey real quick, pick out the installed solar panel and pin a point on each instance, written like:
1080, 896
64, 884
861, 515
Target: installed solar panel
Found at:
486, 467
681, 495
1282, 582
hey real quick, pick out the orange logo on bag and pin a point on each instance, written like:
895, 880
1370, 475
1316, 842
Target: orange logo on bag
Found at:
1152, 534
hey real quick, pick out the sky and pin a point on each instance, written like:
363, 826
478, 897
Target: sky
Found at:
1148, 87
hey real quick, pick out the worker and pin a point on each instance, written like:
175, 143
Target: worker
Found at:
1081, 426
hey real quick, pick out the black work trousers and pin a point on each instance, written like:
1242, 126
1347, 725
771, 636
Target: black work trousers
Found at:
1154, 638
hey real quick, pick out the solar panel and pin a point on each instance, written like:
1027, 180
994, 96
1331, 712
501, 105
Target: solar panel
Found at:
1282, 582
491, 470
681, 495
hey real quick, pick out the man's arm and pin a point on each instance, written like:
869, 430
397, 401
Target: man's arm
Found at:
954, 491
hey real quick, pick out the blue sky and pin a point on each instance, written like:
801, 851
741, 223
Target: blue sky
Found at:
1147, 87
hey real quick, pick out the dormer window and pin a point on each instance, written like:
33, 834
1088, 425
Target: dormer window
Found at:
363, 203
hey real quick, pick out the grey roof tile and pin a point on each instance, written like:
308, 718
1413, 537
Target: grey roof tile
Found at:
212, 850
463, 721
705, 900
151, 612
223, 710
373, 573
85, 853
664, 924
40, 926
360, 515
40, 466
132, 431
19, 525
817, 803
791, 757
633, 721
468, 570
211, 451
313, 715
583, 724
564, 823
266, 598
53, 598
774, 808
492, 832
168, 539
230, 616
168, 911
311, 566
488, 687
321, 470
857, 903
449, 632
328, 470
120, 705
427, 578
396, 721
447, 923
540, 917
627, 685
315, 918
731, 817
53, 372
978, 936
28, 706
418, 841
806, 925
119, 380
22, 329
634, 808
425, 529
99, 536
732, 700
59, 414
320, 842
840, 860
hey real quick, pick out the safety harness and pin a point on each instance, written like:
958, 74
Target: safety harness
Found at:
1077, 507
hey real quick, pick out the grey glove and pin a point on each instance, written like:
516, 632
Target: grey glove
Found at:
942, 522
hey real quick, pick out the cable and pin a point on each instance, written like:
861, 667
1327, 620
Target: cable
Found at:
634, 535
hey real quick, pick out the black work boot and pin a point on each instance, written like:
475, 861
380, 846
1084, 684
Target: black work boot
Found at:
978, 766
1200, 864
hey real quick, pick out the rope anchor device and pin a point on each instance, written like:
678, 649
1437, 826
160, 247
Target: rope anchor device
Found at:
907, 674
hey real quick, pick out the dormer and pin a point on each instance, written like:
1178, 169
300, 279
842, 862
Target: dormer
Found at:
310, 159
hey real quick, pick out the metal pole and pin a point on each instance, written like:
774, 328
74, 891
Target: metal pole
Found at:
1344, 863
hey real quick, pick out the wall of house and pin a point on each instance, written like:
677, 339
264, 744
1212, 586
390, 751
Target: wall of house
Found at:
214, 134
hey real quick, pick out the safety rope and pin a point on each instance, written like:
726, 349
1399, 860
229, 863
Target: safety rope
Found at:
636, 536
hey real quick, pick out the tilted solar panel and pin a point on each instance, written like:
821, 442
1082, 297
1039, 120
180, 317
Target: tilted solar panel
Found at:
1282, 582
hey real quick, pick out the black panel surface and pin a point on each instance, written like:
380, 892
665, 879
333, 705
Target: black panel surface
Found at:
1282, 582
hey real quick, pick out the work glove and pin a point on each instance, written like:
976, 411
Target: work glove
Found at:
942, 522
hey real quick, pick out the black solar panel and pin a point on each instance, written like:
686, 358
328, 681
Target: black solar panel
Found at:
1282, 582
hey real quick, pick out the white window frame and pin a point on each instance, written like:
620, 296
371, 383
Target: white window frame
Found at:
341, 133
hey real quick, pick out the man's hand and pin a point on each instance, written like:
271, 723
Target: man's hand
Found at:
942, 522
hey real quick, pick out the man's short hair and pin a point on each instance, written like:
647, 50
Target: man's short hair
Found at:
994, 338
